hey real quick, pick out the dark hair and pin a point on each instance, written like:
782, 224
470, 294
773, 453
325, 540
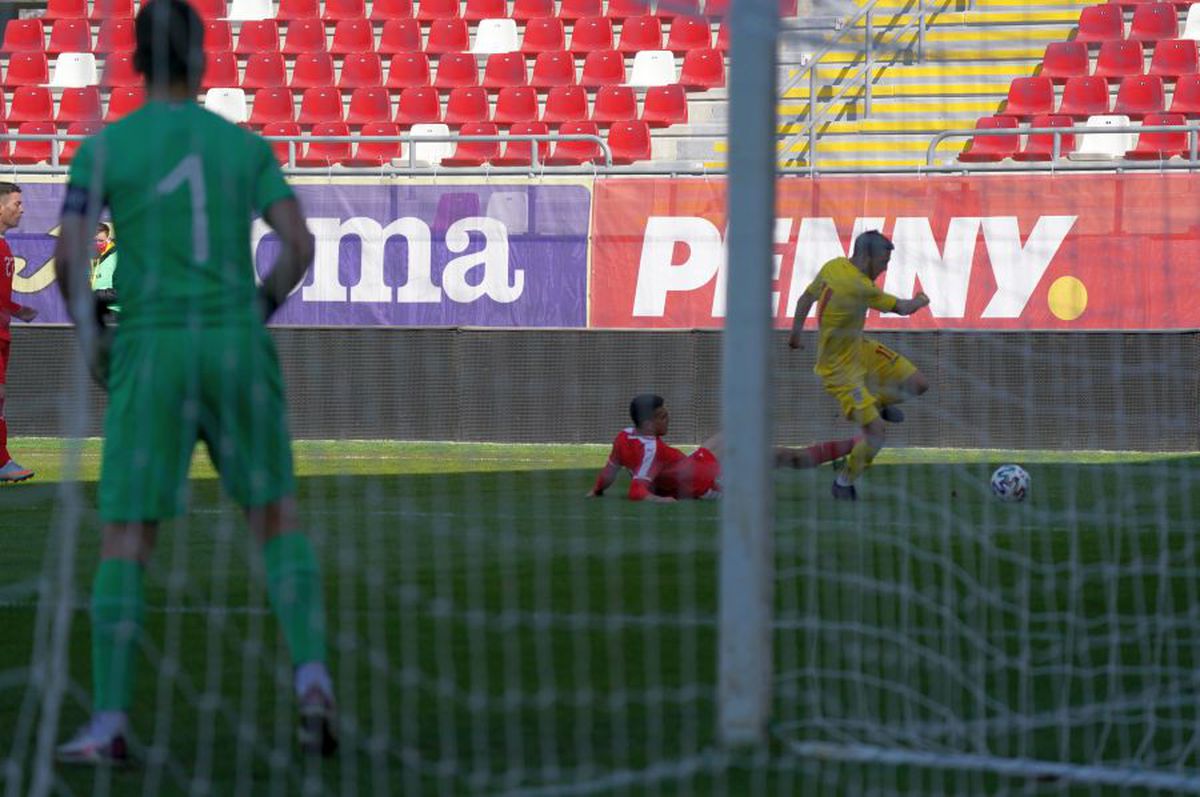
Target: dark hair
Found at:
872, 243
104, 228
642, 407
9, 188
170, 43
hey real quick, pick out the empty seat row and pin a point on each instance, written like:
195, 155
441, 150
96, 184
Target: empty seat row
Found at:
1040, 146
1086, 96
36, 104
1151, 22
1171, 59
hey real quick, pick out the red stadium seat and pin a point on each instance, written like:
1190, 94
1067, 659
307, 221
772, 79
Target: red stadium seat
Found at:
310, 71
361, 69
382, 10
66, 9
1119, 60
5, 143
272, 105
545, 34
369, 104
400, 36
504, 69
578, 9
376, 153
1083, 97
288, 10
430, 10
553, 69
526, 10
79, 105
591, 34
209, 9
520, 153
467, 104
674, 9
115, 36
28, 152
448, 36
789, 8
353, 36
70, 36
1028, 96
576, 153
629, 142
418, 105
33, 69
31, 104
457, 69
326, 153
112, 9
722, 42
1186, 98
1040, 146
24, 36
565, 104
474, 153
689, 33
281, 147
221, 71
985, 149
123, 101
620, 9
304, 36
1154, 21
516, 104
118, 71
1161, 146
218, 35
640, 33
337, 10
77, 129
1139, 96
318, 105
1174, 58
263, 71
1101, 24
485, 9
1065, 59
702, 69
255, 36
603, 68
3, 105
664, 106
407, 70
614, 104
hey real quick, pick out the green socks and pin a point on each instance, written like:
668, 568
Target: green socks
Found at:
294, 586
118, 604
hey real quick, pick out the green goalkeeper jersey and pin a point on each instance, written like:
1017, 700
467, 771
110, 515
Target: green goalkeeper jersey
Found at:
183, 185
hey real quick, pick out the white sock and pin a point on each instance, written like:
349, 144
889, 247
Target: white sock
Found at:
842, 481
109, 723
313, 673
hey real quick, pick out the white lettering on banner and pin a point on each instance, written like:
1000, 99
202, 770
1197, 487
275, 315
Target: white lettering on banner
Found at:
497, 282
783, 231
944, 274
1019, 269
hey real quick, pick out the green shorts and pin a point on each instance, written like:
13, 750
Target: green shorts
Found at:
169, 388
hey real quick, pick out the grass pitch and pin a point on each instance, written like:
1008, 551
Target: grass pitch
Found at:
494, 632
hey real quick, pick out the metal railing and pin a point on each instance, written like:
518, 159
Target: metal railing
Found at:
1193, 131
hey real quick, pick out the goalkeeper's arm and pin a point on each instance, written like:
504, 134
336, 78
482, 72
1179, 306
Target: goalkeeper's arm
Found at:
296, 253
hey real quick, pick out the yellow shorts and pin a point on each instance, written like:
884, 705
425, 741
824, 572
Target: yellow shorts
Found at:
883, 371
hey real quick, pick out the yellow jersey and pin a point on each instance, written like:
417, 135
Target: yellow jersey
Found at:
843, 294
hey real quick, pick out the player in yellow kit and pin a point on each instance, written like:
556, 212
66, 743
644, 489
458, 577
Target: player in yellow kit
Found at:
867, 378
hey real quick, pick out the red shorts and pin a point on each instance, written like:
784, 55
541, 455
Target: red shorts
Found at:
691, 477
4, 344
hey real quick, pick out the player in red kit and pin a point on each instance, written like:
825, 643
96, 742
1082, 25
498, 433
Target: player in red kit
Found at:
662, 473
11, 210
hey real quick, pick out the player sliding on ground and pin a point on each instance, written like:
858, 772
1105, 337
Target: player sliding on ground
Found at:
190, 360
664, 474
867, 378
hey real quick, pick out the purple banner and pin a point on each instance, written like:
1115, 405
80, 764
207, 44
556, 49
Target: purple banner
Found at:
395, 255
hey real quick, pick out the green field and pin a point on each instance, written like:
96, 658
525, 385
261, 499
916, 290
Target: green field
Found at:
496, 633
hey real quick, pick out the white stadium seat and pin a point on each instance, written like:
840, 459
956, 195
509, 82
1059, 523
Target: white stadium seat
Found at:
431, 152
74, 71
653, 68
496, 36
251, 10
230, 103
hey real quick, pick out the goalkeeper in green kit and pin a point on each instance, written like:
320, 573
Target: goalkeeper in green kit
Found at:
191, 360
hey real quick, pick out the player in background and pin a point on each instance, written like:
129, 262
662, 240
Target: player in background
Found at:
867, 378
11, 210
664, 474
190, 360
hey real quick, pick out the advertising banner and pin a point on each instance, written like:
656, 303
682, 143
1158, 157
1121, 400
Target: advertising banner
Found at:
1078, 251
407, 254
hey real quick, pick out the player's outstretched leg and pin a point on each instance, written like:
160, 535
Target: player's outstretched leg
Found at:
861, 456
891, 395
814, 455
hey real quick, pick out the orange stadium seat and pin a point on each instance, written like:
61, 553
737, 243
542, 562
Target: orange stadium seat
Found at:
430, 10
1083, 97
352, 36
24, 36
702, 69
221, 71
66, 9
474, 153
1040, 146
382, 10
544, 34
418, 105
288, 10
1065, 59
1028, 96
520, 153
689, 33
591, 34
553, 69
263, 71
456, 69
1154, 21
629, 142
565, 104
115, 36
319, 105
31, 104
1140, 95
1120, 59
527, 10
664, 106
603, 68
77, 129
614, 104
112, 9
361, 69
31, 69
376, 153
1174, 58
124, 100
369, 104
255, 36
272, 105
578, 9
640, 33
281, 147
1100, 24
304, 36
70, 36
504, 69
576, 153
400, 36
448, 36
467, 104
326, 153
985, 149
477, 10
1161, 146
336, 10
408, 69
27, 152
310, 71
1186, 97
517, 104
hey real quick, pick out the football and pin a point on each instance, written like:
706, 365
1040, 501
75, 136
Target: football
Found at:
1010, 483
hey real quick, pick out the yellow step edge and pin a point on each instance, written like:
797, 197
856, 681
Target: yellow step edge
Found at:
945, 54
948, 18
905, 71
886, 126
837, 145
948, 90
862, 164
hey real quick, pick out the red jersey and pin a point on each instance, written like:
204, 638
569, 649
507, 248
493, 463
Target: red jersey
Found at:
7, 305
659, 469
